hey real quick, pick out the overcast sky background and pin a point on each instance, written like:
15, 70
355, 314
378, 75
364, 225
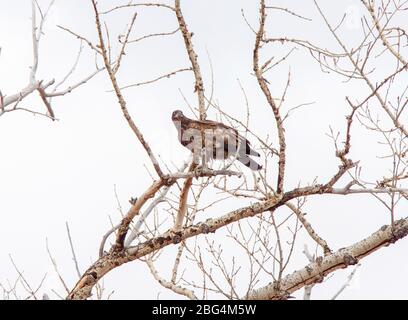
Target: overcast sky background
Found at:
53, 172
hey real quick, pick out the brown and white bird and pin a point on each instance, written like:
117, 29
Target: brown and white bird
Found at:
214, 140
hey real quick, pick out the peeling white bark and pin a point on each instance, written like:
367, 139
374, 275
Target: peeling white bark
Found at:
316, 271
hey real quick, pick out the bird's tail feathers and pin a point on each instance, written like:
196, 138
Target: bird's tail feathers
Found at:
247, 161
250, 151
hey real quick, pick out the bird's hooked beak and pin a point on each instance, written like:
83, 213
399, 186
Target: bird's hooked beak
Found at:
177, 115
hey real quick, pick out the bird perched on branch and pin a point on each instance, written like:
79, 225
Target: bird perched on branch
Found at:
213, 140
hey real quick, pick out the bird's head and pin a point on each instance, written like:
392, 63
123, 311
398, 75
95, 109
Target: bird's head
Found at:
177, 115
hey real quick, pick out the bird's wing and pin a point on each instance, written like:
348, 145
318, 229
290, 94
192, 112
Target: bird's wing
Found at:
205, 124
241, 142
225, 137
231, 136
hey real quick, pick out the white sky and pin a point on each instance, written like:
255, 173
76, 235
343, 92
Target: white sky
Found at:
53, 172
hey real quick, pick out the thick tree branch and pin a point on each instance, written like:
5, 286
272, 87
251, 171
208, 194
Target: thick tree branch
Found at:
118, 255
315, 272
